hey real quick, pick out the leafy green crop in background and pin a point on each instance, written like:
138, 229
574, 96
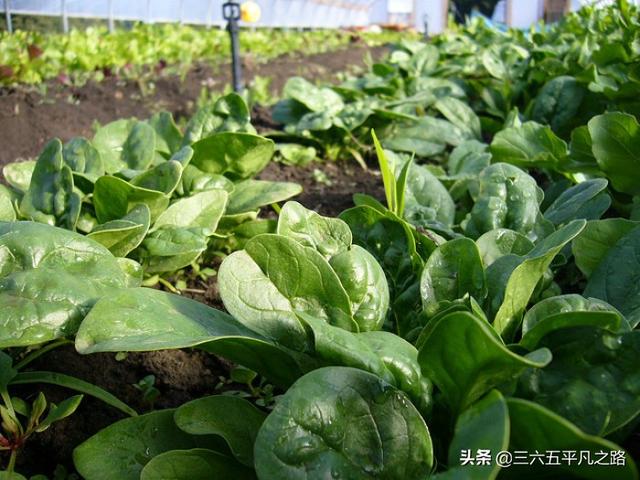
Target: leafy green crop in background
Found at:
32, 57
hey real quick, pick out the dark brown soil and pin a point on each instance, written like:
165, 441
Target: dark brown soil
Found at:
180, 376
28, 119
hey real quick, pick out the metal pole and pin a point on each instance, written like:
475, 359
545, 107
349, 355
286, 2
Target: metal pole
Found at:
7, 12
111, 26
65, 20
181, 12
425, 20
148, 11
231, 13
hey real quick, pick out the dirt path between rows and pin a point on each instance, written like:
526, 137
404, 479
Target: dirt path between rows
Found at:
29, 119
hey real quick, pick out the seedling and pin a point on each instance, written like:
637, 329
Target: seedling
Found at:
148, 389
21, 420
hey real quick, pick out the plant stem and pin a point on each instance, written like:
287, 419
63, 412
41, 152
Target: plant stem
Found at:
7, 401
41, 351
168, 285
12, 463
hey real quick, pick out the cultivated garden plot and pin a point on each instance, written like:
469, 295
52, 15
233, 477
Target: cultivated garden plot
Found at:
471, 314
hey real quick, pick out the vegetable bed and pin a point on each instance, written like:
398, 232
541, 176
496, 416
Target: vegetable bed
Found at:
471, 315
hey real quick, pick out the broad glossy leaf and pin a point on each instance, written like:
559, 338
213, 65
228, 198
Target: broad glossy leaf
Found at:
585, 200
194, 464
49, 280
440, 87
123, 236
507, 198
145, 319
338, 347
265, 284
106, 327
427, 200
236, 155
327, 235
425, 137
228, 114
366, 285
616, 140
164, 177
581, 157
85, 161
452, 271
246, 231
595, 241
467, 160
114, 198
615, 279
288, 111
122, 449
483, 426
566, 311
530, 145
293, 154
494, 65
138, 149
592, 380
534, 428
7, 211
558, 102
202, 210
18, 174
50, 197
109, 140
314, 98
317, 121
460, 114
195, 180
401, 359
250, 195
465, 359
168, 136
343, 422
4, 475
391, 241
353, 115
500, 242
233, 418
525, 276
171, 248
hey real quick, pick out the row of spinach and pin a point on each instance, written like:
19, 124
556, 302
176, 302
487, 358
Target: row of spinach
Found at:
139, 201
536, 97
398, 346
147, 191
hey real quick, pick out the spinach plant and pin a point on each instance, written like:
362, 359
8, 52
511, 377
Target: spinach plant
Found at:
146, 191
